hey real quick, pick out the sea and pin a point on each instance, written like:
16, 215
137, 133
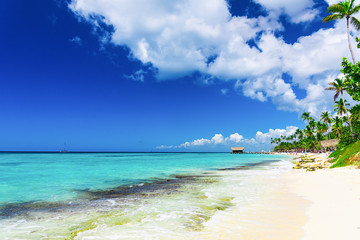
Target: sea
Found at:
127, 195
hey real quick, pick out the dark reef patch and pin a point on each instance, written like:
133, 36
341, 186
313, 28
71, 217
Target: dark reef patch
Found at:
88, 197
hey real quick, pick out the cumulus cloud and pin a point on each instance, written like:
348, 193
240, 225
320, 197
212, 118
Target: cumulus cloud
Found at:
297, 10
236, 138
274, 133
259, 142
217, 139
181, 37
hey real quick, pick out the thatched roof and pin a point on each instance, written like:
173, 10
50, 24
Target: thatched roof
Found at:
237, 148
329, 143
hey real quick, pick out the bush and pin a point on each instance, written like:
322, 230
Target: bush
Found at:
347, 137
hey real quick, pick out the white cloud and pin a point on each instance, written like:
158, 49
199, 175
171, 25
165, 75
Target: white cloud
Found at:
76, 40
236, 138
200, 142
259, 142
297, 10
274, 133
138, 76
218, 138
179, 37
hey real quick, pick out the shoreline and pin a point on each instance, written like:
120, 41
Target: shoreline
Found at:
333, 195
298, 204
262, 201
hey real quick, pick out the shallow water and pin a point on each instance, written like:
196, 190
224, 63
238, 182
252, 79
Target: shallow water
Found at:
123, 196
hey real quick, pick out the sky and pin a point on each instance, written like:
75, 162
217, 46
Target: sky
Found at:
158, 75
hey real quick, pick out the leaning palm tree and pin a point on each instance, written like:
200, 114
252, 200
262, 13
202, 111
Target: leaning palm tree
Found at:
345, 8
339, 87
340, 108
327, 119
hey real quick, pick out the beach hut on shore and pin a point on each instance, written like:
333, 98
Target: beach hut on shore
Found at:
329, 144
236, 150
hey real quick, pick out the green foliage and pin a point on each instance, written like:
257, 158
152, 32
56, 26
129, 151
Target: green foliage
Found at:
343, 9
355, 113
347, 137
348, 155
351, 78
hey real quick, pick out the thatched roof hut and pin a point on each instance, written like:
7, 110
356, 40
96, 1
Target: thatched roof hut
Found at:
329, 143
237, 149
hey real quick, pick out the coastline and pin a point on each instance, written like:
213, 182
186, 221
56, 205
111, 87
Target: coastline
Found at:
298, 204
335, 202
267, 201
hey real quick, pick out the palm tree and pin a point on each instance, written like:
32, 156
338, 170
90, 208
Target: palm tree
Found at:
338, 120
339, 87
327, 119
321, 128
336, 127
309, 132
306, 116
340, 108
345, 9
301, 135
297, 133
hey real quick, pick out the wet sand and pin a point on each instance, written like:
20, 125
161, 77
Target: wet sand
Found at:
296, 204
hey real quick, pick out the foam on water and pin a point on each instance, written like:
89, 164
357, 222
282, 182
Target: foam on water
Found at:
176, 207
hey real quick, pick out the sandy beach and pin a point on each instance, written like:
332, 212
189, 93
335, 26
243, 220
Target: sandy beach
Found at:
267, 202
334, 212
297, 204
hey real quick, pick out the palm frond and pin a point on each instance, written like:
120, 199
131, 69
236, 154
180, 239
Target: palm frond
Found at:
330, 88
336, 8
355, 9
351, 3
355, 22
332, 17
336, 95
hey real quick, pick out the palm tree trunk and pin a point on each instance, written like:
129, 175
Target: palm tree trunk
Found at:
348, 35
329, 131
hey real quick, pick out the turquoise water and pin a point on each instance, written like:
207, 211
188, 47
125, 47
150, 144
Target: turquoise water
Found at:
132, 195
28, 177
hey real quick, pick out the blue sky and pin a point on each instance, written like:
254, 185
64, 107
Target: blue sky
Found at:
183, 75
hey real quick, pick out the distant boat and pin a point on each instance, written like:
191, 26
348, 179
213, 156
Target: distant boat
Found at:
64, 149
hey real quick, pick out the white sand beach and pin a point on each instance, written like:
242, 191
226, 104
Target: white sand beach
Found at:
334, 212
297, 204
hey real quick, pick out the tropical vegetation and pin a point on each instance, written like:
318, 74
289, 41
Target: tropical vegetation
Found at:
344, 124
345, 9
